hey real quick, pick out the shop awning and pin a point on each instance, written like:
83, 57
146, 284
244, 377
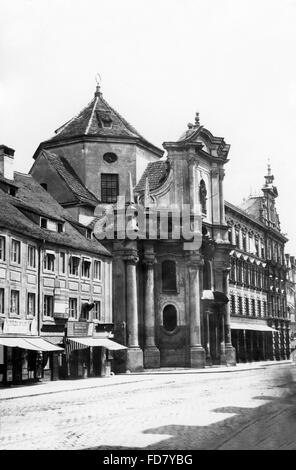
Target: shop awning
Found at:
251, 326
43, 345
34, 344
102, 342
18, 343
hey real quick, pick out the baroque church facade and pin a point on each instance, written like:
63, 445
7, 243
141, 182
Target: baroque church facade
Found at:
172, 295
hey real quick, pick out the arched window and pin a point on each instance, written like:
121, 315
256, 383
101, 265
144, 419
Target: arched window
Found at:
203, 196
169, 317
169, 278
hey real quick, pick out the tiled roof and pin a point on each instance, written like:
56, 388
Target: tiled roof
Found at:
74, 183
157, 173
32, 197
93, 120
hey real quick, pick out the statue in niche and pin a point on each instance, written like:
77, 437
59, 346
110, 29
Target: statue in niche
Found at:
203, 196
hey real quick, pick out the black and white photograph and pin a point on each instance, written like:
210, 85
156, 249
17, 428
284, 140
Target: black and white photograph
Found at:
147, 228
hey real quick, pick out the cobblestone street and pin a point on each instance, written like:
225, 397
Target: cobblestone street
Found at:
182, 410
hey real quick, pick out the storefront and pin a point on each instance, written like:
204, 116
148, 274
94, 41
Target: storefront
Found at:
90, 356
22, 359
253, 341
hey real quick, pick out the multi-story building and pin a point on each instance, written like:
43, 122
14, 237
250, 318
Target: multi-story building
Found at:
171, 301
291, 297
55, 285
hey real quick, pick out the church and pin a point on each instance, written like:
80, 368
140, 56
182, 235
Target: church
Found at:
173, 240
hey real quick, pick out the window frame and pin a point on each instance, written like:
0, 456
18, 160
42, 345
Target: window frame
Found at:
46, 262
164, 288
109, 189
31, 249
12, 292
29, 295
73, 274
15, 243
2, 301
172, 331
2, 248
75, 301
97, 262
45, 310
95, 317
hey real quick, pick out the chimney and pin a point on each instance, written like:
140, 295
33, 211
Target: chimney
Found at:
6, 162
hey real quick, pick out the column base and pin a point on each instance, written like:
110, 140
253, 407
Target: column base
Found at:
134, 359
151, 358
230, 354
197, 357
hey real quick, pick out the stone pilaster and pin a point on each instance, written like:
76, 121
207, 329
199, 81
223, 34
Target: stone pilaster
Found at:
229, 349
197, 352
134, 358
151, 352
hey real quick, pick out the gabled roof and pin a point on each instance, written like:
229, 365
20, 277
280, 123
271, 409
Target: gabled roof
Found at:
157, 173
72, 180
99, 119
31, 197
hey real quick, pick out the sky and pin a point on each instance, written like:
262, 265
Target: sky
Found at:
160, 61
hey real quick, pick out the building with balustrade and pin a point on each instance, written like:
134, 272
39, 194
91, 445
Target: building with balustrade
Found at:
260, 319
196, 281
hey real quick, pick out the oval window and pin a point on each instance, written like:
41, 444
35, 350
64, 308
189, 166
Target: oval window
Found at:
110, 157
169, 316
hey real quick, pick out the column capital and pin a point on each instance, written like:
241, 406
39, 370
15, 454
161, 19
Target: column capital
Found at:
149, 261
195, 261
130, 256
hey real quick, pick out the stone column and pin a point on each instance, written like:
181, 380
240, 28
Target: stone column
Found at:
151, 352
245, 346
273, 343
197, 352
207, 330
229, 349
222, 207
134, 353
288, 352
222, 338
283, 333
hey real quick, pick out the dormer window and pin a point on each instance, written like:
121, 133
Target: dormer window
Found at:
88, 233
43, 222
60, 227
12, 191
104, 118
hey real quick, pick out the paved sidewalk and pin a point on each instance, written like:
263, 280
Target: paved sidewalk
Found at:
45, 388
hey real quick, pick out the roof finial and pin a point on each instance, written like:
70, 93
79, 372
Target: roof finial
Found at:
98, 79
268, 167
197, 123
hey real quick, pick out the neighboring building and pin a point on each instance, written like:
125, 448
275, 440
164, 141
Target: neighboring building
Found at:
291, 297
170, 303
55, 285
257, 290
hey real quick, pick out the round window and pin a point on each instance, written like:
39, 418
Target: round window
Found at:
110, 157
169, 317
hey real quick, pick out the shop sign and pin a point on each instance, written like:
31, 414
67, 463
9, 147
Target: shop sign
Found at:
18, 327
78, 329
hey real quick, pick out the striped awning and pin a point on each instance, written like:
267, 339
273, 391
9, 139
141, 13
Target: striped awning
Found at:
251, 326
31, 343
102, 342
